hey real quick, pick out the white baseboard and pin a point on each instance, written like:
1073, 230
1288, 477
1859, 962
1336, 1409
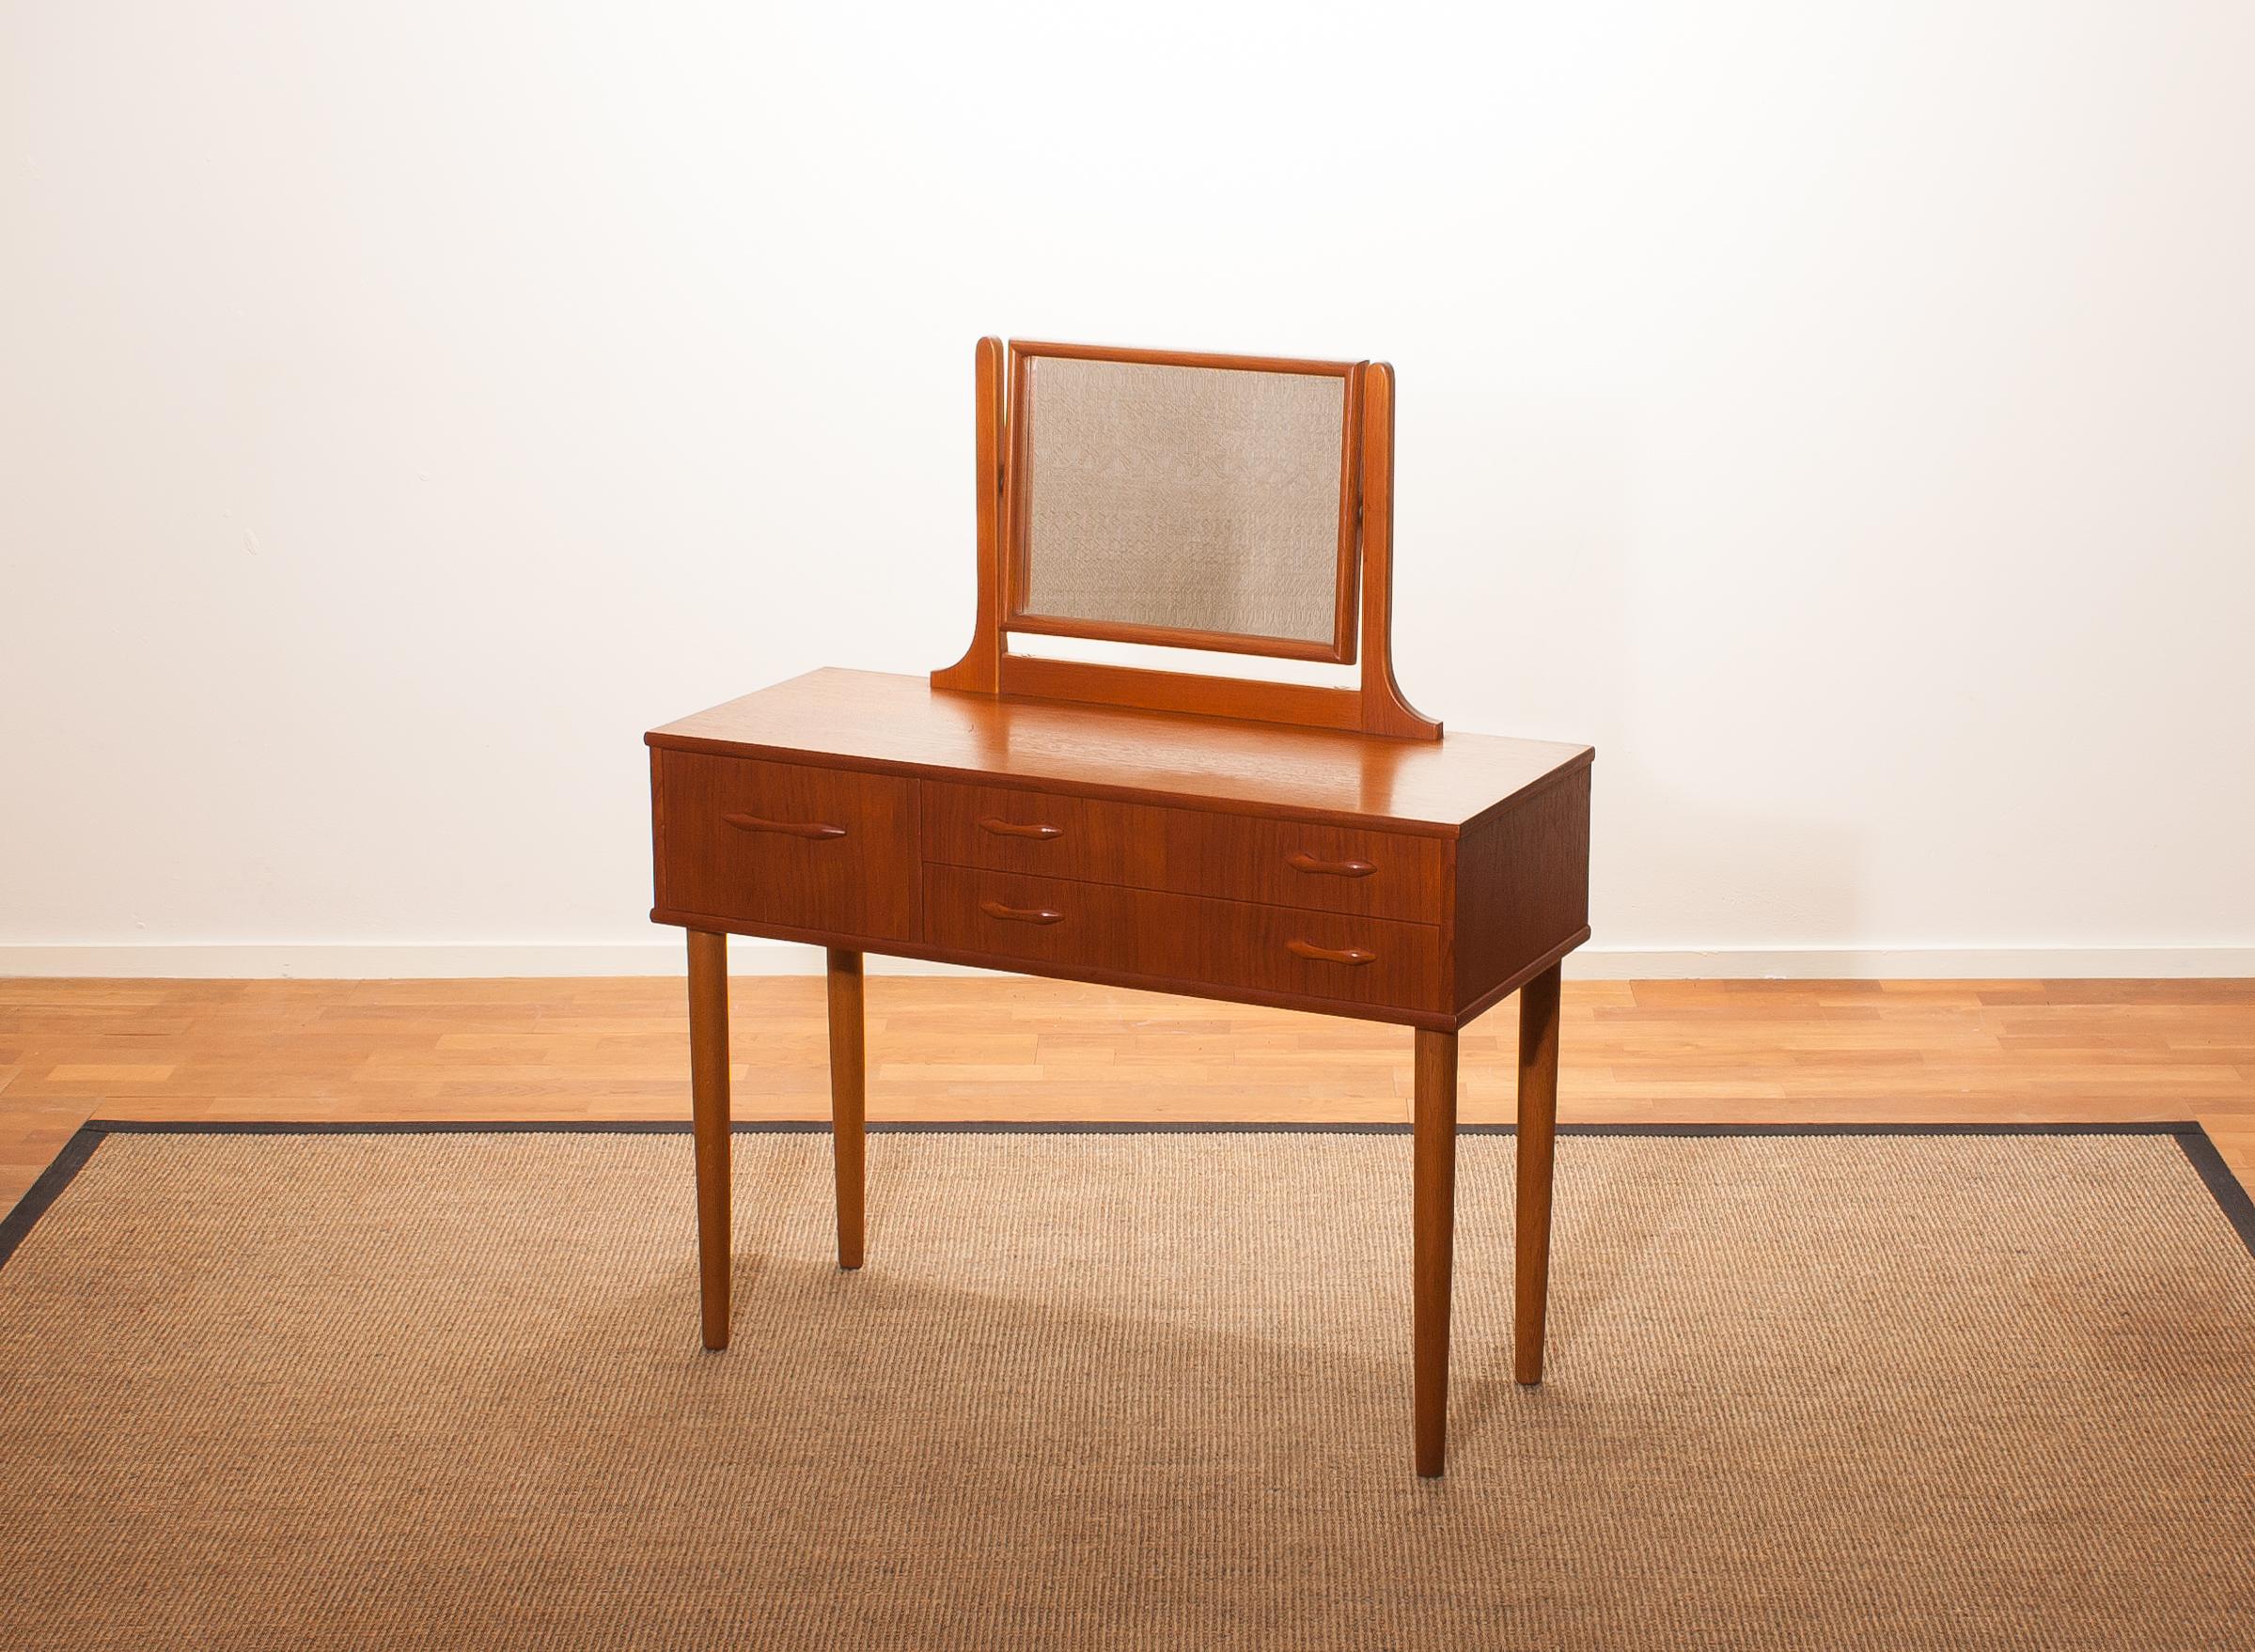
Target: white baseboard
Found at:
747, 957
1915, 963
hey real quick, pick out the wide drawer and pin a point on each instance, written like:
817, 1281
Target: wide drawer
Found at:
1189, 852
786, 845
1183, 938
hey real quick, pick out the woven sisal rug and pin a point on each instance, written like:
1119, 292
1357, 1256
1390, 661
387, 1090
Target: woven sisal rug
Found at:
422, 1388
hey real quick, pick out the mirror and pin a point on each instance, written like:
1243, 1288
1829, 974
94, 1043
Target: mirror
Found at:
1198, 506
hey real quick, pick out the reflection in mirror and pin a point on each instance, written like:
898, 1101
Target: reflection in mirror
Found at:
1201, 499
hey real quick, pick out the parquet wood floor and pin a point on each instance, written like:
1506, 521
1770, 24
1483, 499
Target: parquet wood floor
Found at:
1005, 1047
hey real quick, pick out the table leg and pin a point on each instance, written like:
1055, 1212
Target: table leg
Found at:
1537, 1130
709, 1110
847, 1090
1432, 1240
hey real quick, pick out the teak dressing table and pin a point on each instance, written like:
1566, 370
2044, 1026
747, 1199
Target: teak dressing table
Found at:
1315, 847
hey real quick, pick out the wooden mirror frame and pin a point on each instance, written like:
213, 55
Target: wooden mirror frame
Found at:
1374, 705
1017, 501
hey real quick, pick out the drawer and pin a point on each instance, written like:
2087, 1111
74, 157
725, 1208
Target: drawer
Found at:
1183, 938
788, 845
1190, 852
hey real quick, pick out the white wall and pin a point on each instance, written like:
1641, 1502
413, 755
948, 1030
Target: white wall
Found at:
1843, 416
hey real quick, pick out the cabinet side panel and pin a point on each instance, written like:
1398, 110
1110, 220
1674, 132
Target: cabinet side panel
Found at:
1522, 887
657, 828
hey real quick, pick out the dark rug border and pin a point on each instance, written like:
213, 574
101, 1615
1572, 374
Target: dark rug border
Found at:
2199, 1151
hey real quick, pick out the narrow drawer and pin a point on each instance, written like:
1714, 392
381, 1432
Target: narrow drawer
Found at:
1189, 852
785, 844
1183, 938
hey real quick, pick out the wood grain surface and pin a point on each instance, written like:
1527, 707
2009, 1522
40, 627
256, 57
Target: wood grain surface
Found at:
1012, 1048
878, 721
1218, 943
786, 844
1190, 852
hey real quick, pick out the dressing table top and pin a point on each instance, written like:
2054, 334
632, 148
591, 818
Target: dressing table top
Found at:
892, 724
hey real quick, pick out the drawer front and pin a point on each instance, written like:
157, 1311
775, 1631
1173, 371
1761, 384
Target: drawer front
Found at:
1189, 852
781, 843
1183, 938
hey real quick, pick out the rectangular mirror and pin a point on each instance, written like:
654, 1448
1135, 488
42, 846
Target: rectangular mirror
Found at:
1204, 502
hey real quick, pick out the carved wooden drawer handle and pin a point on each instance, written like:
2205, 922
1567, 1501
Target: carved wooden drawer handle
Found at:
1346, 954
789, 828
1022, 914
1011, 829
1300, 861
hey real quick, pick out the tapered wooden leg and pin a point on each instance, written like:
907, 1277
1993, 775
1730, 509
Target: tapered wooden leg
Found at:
1433, 1242
1537, 1133
847, 1071
708, 1109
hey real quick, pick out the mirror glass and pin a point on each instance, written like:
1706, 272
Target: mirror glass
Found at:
1202, 499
